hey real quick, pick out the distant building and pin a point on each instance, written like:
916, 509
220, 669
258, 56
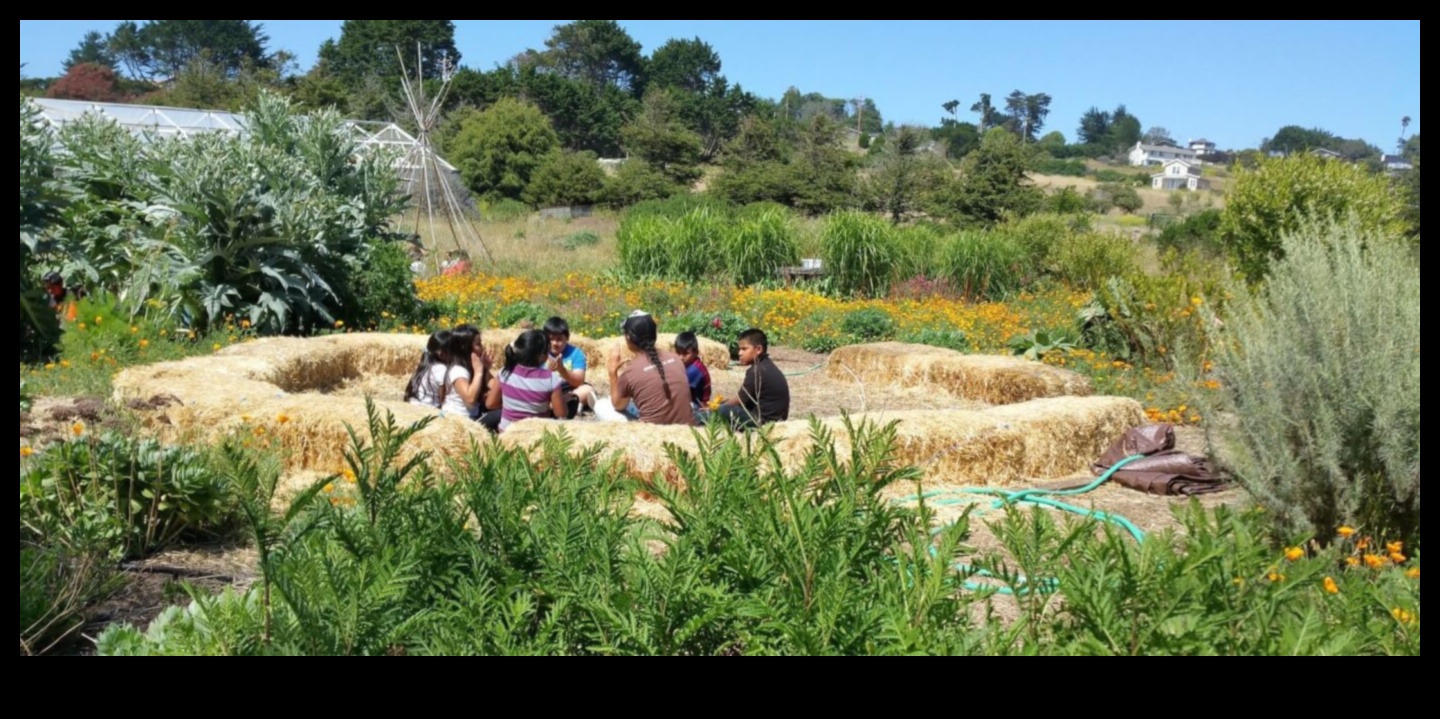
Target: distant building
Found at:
1179, 175
1327, 153
1202, 147
1395, 163
1142, 155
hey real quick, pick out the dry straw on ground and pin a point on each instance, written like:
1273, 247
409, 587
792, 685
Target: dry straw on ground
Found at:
997, 380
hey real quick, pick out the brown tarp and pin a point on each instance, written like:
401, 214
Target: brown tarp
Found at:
1163, 469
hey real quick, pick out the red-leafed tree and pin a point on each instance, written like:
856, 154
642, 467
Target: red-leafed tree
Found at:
87, 81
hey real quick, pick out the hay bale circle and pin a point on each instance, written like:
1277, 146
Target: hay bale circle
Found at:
299, 395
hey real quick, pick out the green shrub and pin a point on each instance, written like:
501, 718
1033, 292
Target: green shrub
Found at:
39, 210
384, 284
126, 496
1068, 201
1087, 260
947, 339
1133, 179
517, 556
533, 551
1065, 168
1039, 237
504, 210
861, 253
1322, 369
1198, 232
1123, 197
985, 265
580, 239
644, 244
868, 325
566, 178
1265, 203
270, 226
636, 182
1218, 587
513, 314
499, 149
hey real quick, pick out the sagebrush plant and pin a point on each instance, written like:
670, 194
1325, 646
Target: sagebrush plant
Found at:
1321, 367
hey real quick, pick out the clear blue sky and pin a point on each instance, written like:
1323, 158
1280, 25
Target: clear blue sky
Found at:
1231, 82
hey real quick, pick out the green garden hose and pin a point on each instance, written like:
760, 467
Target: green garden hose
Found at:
1030, 497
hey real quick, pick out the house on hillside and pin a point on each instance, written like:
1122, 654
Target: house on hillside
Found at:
1395, 163
1327, 153
1202, 147
1142, 155
1179, 175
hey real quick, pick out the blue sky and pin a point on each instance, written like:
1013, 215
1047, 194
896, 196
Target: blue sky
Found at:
1232, 82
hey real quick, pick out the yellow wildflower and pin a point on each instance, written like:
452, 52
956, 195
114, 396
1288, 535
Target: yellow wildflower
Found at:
1294, 554
77, 429
1331, 587
1346, 532
1412, 573
26, 452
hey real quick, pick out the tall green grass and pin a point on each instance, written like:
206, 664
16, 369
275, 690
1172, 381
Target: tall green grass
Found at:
985, 265
861, 253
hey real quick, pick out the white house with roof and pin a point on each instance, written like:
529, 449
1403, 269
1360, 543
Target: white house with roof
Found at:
1142, 155
1202, 147
1395, 163
1179, 175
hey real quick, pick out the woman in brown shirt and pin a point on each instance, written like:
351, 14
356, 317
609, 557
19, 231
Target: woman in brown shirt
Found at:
654, 380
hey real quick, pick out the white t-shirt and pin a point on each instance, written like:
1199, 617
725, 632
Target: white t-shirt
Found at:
443, 376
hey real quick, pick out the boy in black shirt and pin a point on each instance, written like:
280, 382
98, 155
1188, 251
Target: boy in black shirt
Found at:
764, 395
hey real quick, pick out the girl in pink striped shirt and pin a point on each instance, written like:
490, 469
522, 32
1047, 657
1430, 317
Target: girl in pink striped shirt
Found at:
525, 388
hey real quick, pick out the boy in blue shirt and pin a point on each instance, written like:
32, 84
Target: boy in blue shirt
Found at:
567, 361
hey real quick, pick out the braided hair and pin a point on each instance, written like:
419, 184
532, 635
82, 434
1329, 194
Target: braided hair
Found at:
641, 331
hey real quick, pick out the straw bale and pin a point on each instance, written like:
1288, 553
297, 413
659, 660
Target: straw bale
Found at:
1064, 435
244, 389
994, 379
715, 355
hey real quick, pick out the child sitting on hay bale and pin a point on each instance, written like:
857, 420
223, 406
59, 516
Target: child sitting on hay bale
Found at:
654, 380
687, 345
764, 395
429, 375
568, 362
525, 388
